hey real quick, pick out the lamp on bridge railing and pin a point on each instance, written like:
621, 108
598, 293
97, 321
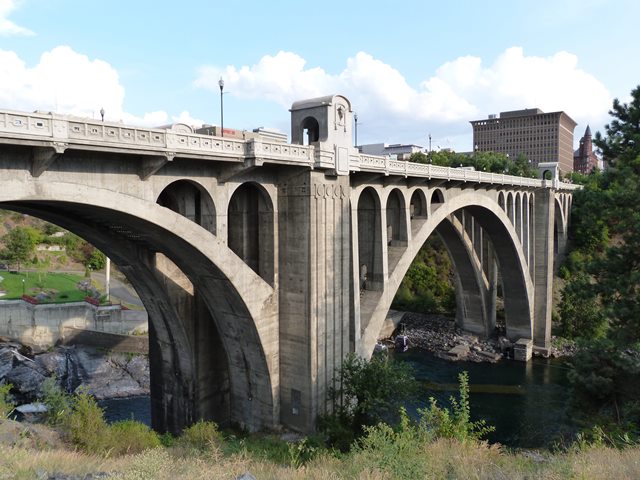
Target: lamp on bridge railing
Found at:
355, 119
221, 85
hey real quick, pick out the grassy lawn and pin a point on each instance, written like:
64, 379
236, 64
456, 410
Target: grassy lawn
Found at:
59, 287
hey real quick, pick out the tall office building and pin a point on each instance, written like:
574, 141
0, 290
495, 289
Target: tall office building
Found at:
542, 137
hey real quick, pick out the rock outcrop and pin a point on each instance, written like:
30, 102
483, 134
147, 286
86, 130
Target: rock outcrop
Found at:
104, 374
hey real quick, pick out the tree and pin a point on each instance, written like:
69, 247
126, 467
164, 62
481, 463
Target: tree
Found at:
618, 271
19, 245
605, 282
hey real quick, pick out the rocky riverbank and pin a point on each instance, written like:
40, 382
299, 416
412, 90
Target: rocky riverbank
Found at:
440, 335
104, 374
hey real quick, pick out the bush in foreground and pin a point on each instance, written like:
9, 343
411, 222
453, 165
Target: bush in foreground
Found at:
6, 403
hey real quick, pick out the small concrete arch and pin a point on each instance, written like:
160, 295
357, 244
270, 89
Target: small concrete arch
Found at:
501, 201
519, 215
418, 205
251, 229
310, 131
191, 200
396, 219
559, 228
510, 208
370, 241
436, 200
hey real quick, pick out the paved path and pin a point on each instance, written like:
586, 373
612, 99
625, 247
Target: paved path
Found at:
119, 290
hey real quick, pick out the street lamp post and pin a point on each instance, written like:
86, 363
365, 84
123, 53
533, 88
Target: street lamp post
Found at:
355, 119
23, 287
221, 85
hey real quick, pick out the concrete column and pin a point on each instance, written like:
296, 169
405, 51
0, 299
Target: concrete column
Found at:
212, 380
315, 276
492, 288
543, 274
524, 238
470, 308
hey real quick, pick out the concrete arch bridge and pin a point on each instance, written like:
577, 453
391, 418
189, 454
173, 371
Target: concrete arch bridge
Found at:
263, 263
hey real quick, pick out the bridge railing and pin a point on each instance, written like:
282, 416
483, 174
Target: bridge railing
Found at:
389, 166
65, 131
78, 132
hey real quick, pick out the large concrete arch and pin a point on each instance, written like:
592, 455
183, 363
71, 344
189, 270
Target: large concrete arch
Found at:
243, 306
518, 288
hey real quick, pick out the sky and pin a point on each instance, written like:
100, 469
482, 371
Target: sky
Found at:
410, 68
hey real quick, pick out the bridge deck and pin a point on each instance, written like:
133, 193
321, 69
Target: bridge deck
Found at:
62, 132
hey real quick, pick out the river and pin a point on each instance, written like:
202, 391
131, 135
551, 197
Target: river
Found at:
526, 403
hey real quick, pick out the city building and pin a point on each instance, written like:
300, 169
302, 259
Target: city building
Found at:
400, 151
584, 160
541, 137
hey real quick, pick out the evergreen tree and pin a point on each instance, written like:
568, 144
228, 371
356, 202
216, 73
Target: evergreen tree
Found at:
618, 271
603, 292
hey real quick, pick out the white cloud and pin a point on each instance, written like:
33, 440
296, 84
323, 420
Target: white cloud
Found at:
460, 90
7, 27
68, 82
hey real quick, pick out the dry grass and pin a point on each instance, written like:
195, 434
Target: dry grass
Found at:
441, 459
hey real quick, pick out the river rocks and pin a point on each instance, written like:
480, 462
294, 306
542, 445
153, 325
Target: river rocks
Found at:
561, 347
440, 335
105, 375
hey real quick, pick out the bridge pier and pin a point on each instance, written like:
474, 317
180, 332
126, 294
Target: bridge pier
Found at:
543, 270
314, 234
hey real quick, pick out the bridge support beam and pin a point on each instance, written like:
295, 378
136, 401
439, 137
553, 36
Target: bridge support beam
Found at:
543, 271
314, 231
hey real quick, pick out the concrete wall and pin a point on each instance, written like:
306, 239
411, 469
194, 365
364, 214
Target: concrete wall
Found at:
108, 341
43, 325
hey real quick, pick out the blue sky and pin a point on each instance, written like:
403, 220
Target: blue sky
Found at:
410, 68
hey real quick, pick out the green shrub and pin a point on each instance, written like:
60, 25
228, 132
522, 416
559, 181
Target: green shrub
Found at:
369, 392
397, 452
200, 436
303, 451
456, 423
59, 403
6, 401
130, 437
85, 425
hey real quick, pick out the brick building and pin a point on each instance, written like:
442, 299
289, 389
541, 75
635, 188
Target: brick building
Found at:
542, 137
584, 160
